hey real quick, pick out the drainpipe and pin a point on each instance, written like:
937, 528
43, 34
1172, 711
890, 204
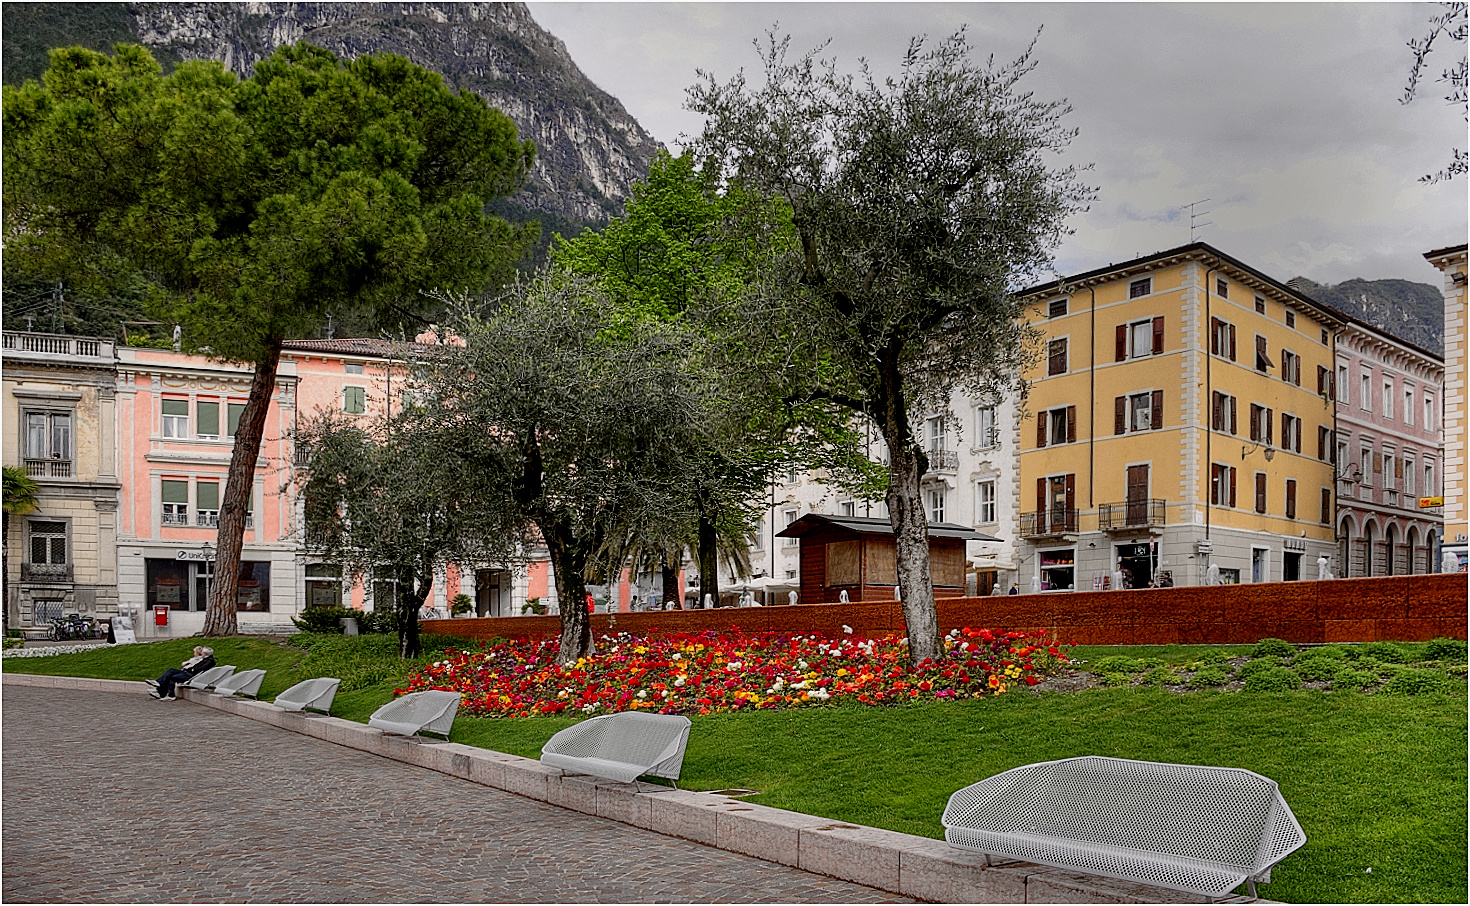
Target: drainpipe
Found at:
1209, 398
1092, 405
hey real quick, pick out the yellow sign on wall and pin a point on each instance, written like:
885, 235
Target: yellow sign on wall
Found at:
1426, 502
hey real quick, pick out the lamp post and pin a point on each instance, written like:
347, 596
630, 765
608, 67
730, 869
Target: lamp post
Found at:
208, 570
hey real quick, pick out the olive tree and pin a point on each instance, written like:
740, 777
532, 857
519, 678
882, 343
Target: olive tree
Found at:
921, 203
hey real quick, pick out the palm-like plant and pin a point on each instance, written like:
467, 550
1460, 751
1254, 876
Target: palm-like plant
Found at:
22, 495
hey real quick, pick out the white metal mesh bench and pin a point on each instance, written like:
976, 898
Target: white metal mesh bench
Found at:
246, 682
312, 694
208, 678
430, 711
622, 746
1203, 830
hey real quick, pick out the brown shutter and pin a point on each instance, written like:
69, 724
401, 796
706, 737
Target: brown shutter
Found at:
1269, 415
1120, 411
1041, 497
1321, 380
1260, 350
1296, 442
1398, 468
1321, 443
1158, 335
1041, 420
1260, 492
1327, 505
1232, 486
1071, 424
1071, 498
1157, 414
1290, 499
1232, 342
1232, 419
1255, 422
1120, 343
1214, 336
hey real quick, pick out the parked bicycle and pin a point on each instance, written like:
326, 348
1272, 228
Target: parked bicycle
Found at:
71, 626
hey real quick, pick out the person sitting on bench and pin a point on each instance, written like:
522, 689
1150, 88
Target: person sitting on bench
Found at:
163, 687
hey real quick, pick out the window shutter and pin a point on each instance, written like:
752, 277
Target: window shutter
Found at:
1321, 443
1255, 422
1159, 335
1071, 486
1232, 342
1260, 492
1326, 506
1296, 439
1157, 411
1214, 336
1269, 431
1321, 380
1120, 407
175, 491
208, 417
1120, 343
1290, 499
1040, 495
233, 412
1041, 419
1398, 468
1071, 424
1232, 419
207, 495
175, 407
1232, 486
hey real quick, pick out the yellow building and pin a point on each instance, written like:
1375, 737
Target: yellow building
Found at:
1451, 261
1181, 427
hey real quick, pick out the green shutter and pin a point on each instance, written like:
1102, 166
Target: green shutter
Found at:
208, 418
207, 495
175, 491
354, 400
176, 407
234, 411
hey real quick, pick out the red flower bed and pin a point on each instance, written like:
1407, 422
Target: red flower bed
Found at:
710, 672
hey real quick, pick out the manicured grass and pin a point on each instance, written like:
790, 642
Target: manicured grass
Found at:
1377, 781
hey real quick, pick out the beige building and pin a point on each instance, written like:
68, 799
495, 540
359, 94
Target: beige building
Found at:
1451, 262
59, 417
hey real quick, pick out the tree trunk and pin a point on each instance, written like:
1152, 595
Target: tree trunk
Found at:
907, 464
569, 559
709, 560
411, 598
669, 579
240, 482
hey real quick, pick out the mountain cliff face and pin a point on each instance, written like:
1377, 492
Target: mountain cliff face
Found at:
589, 151
1410, 311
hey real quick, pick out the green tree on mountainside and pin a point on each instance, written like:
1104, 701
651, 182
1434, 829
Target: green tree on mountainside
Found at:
248, 209
921, 203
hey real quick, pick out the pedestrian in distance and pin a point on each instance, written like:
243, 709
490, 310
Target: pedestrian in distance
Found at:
163, 687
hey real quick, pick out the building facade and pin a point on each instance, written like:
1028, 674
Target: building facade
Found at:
1451, 263
1173, 427
1388, 446
59, 403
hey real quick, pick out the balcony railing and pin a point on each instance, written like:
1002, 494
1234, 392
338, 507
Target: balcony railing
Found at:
1054, 521
48, 468
174, 519
947, 460
45, 572
1131, 514
54, 344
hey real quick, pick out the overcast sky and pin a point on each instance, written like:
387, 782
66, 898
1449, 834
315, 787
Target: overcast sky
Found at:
1286, 117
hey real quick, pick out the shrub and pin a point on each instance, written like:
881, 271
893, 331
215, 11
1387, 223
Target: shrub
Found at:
373, 621
1316, 669
1117, 679
1215, 656
1272, 679
1213, 675
1349, 680
14, 642
460, 605
1409, 681
1160, 676
1334, 654
1451, 651
1120, 663
1258, 665
324, 619
1273, 648
1388, 652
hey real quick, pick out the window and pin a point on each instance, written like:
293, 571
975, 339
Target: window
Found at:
1342, 381
985, 503
1365, 467
206, 503
760, 534
1222, 484
1260, 305
1388, 399
1140, 288
1056, 357
1409, 476
1263, 357
1342, 455
1290, 318
48, 545
848, 507
1291, 498
1409, 406
790, 517
937, 433
1139, 338
1222, 338
1291, 367
1056, 308
1326, 338
936, 504
323, 585
1428, 412
1365, 390
1291, 433
1325, 388
1222, 413
1138, 412
1429, 486
176, 418
1393, 468
1222, 288
1261, 421
352, 367
206, 414
985, 431
1325, 517
1058, 569
354, 400
175, 502
48, 444
1260, 492
233, 411
1324, 442
1057, 426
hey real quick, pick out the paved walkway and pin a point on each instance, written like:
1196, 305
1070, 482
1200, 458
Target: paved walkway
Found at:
119, 798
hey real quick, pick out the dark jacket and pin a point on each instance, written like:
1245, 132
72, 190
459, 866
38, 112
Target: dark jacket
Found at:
202, 666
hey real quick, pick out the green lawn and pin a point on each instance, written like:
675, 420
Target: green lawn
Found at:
1377, 781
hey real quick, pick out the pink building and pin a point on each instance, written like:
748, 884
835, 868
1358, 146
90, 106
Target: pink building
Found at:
1389, 448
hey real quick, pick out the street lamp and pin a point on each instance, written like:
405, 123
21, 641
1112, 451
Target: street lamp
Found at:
208, 570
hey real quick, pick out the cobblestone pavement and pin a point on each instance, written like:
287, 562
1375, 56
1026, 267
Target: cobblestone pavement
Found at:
113, 797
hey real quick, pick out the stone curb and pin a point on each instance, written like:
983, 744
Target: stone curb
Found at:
919, 867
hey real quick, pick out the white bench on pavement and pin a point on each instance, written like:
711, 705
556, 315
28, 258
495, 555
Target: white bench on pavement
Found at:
621, 747
312, 694
429, 711
206, 680
1202, 830
246, 683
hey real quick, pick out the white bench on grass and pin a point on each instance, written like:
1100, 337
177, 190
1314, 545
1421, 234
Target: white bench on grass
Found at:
206, 680
312, 694
1202, 830
621, 747
246, 682
430, 711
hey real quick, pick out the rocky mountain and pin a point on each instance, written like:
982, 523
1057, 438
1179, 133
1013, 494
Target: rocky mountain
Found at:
1410, 311
589, 150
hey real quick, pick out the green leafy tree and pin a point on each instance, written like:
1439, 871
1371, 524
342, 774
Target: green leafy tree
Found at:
920, 203
22, 495
250, 208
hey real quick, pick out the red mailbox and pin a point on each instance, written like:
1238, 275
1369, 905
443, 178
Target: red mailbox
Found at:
160, 615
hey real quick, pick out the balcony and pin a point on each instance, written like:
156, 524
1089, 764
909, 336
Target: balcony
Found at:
58, 345
1131, 515
943, 460
48, 468
45, 572
1048, 523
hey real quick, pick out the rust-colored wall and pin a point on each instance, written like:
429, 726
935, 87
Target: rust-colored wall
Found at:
1397, 608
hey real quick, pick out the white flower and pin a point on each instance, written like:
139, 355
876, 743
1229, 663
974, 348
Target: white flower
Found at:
643, 693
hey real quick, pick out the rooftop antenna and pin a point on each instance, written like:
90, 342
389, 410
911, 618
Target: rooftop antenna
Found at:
1194, 216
